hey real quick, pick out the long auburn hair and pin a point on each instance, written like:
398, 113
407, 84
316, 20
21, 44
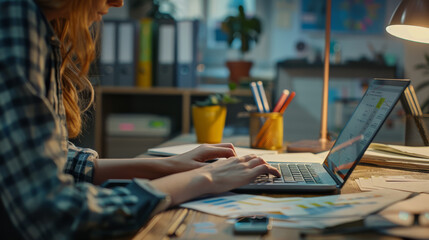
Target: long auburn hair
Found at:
78, 50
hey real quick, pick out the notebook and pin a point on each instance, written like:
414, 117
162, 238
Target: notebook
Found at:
351, 144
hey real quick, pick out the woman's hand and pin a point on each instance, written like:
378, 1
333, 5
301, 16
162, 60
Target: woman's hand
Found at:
217, 177
236, 171
197, 157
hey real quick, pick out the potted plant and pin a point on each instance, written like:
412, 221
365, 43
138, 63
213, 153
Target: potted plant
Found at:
247, 31
209, 117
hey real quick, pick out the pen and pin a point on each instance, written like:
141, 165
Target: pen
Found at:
263, 97
256, 96
288, 100
281, 101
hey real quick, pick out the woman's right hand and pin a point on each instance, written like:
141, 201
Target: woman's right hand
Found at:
217, 177
234, 172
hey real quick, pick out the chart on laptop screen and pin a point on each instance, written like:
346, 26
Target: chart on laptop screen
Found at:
358, 133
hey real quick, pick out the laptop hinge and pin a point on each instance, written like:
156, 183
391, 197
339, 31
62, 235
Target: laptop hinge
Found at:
339, 184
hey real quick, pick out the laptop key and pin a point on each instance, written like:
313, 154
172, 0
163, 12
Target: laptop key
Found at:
277, 180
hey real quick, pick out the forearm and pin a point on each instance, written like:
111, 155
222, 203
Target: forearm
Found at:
148, 168
184, 186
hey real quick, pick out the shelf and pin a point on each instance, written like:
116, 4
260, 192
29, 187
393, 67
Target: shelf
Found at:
174, 103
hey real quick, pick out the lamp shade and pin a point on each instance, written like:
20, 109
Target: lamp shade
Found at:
410, 21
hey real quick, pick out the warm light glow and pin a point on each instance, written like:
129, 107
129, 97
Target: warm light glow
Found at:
408, 32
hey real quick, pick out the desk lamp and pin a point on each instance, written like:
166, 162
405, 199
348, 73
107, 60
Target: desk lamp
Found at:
323, 143
410, 21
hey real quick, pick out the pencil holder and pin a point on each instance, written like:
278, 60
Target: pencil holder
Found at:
266, 130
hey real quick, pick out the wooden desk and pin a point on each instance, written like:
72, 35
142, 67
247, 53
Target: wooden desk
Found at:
159, 224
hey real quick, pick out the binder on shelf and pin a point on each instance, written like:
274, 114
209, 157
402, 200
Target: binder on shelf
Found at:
108, 54
165, 40
118, 56
127, 54
144, 67
186, 61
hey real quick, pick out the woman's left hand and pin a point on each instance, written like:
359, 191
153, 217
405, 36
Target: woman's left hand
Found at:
197, 157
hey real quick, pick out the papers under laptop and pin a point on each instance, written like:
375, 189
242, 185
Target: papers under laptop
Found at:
332, 173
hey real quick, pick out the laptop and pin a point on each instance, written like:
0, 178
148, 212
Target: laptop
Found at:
351, 144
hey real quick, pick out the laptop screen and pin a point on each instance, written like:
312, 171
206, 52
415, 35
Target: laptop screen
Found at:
368, 117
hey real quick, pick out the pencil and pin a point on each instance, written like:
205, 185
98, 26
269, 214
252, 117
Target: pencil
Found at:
174, 227
288, 100
281, 101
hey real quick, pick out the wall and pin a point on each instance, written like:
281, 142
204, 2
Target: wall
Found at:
413, 55
285, 36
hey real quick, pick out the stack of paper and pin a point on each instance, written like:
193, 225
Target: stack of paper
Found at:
397, 156
420, 152
402, 183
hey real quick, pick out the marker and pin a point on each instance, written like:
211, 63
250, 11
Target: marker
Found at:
288, 100
257, 97
281, 100
263, 97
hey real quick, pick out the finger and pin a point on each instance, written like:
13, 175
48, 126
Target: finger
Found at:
265, 169
274, 171
247, 158
225, 145
256, 162
211, 152
259, 161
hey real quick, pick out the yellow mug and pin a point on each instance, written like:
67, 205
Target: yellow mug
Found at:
209, 122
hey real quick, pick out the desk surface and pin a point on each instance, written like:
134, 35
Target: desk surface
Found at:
159, 224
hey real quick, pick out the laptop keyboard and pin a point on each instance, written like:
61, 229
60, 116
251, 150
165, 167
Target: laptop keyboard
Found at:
291, 173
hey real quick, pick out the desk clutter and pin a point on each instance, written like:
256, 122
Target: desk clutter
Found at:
393, 205
290, 212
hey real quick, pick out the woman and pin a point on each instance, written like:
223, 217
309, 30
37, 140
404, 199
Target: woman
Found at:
48, 185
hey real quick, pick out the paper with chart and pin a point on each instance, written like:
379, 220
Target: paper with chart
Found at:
316, 212
344, 205
238, 204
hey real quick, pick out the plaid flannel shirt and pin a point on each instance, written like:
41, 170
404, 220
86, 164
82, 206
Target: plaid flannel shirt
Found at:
45, 181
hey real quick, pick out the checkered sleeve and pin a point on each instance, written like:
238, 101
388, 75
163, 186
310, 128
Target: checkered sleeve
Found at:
42, 201
80, 163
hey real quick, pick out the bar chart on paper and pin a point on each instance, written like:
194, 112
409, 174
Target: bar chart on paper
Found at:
239, 204
356, 204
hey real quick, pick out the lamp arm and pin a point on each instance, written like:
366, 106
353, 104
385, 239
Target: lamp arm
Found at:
324, 113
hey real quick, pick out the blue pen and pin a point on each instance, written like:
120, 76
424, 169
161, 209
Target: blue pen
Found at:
257, 97
263, 97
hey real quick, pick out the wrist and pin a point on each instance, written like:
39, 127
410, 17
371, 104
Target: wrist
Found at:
204, 180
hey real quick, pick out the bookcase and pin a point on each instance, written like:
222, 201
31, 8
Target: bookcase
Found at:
174, 103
